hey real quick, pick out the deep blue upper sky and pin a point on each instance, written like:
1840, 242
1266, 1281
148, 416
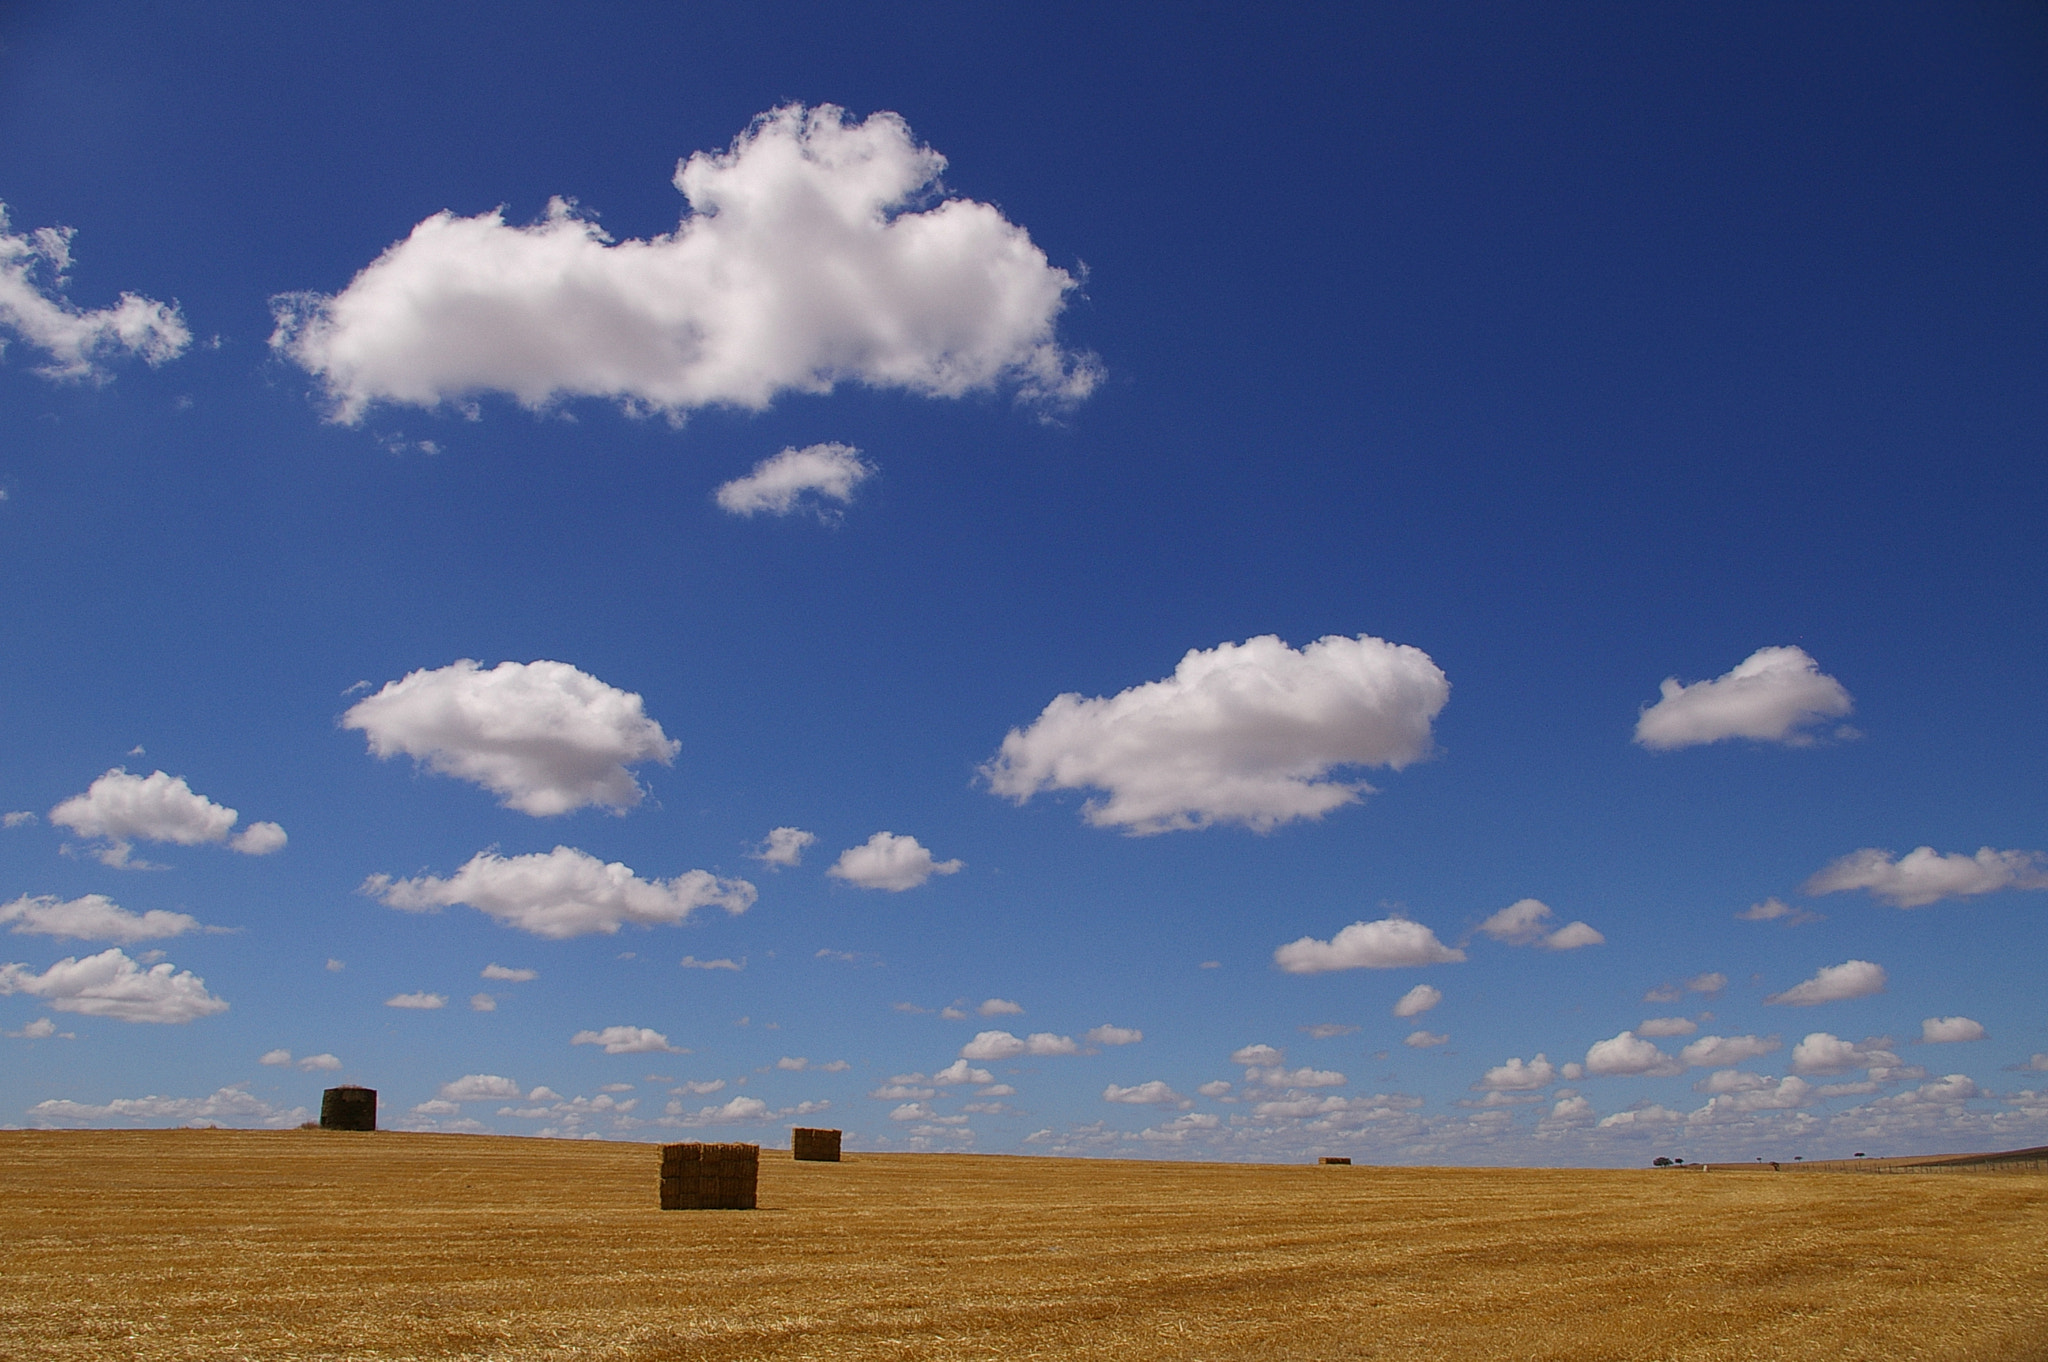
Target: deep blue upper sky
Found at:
1576, 348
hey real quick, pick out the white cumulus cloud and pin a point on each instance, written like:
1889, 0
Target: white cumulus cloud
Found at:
312, 1063
1667, 1026
1923, 875
1529, 922
1824, 1053
563, 893
1424, 1040
887, 861
1002, 1045
804, 262
480, 1088
1630, 1054
92, 917
509, 975
999, 1007
627, 1040
418, 1002
543, 736
1114, 1035
1518, 1076
1773, 695
1715, 1052
121, 809
1245, 733
276, 1058
1944, 1030
796, 478
112, 985
1418, 1000
1152, 1093
783, 846
1389, 943
77, 340
1833, 984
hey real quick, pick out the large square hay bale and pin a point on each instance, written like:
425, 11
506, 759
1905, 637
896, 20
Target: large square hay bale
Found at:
709, 1177
348, 1107
817, 1146
1336, 1159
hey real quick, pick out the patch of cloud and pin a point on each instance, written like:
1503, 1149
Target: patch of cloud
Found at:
482, 1002
1245, 733
1630, 1055
276, 1058
1774, 695
92, 917
692, 962
421, 1001
887, 861
988, 1045
1425, 1040
226, 1106
1783, 1095
1833, 984
1776, 910
783, 846
1667, 1026
120, 809
563, 893
542, 736
335, 966
802, 263
1824, 1053
1528, 922
1708, 984
1518, 1076
1114, 1035
797, 479
110, 984
320, 1063
1151, 1093
1947, 1030
1388, 943
627, 1040
1327, 1030
20, 818
999, 1007
507, 974
1418, 1000
1280, 1076
1653, 1117
1923, 875
1218, 1087
480, 1088
79, 341
1723, 1051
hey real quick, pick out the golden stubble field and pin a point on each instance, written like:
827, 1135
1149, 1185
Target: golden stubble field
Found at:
308, 1244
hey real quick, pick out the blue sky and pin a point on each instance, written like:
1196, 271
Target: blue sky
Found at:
1198, 481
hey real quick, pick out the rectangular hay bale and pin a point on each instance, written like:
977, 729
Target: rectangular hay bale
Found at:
813, 1145
707, 1177
1335, 1159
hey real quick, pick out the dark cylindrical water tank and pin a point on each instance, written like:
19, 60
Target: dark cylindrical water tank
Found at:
348, 1108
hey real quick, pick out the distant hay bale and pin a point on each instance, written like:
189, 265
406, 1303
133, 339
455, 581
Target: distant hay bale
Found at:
709, 1177
1335, 1158
348, 1107
816, 1146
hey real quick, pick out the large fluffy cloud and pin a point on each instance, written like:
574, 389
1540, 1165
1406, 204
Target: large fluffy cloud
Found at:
795, 478
627, 1040
1773, 695
122, 809
1240, 733
562, 893
1517, 1076
1529, 922
1946, 1030
1389, 943
1923, 875
34, 308
93, 917
1630, 1054
112, 985
1823, 1053
800, 265
1002, 1045
887, 861
543, 736
1833, 984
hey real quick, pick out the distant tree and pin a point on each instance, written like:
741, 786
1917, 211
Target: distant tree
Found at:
1660, 1162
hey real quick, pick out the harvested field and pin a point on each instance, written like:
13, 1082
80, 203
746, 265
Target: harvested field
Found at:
320, 1244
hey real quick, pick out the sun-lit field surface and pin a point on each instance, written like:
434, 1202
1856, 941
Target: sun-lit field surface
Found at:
219, 1244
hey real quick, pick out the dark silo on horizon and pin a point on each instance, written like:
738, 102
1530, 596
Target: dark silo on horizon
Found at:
348, 1107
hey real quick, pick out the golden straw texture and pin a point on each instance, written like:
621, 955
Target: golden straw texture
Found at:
318, 1244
